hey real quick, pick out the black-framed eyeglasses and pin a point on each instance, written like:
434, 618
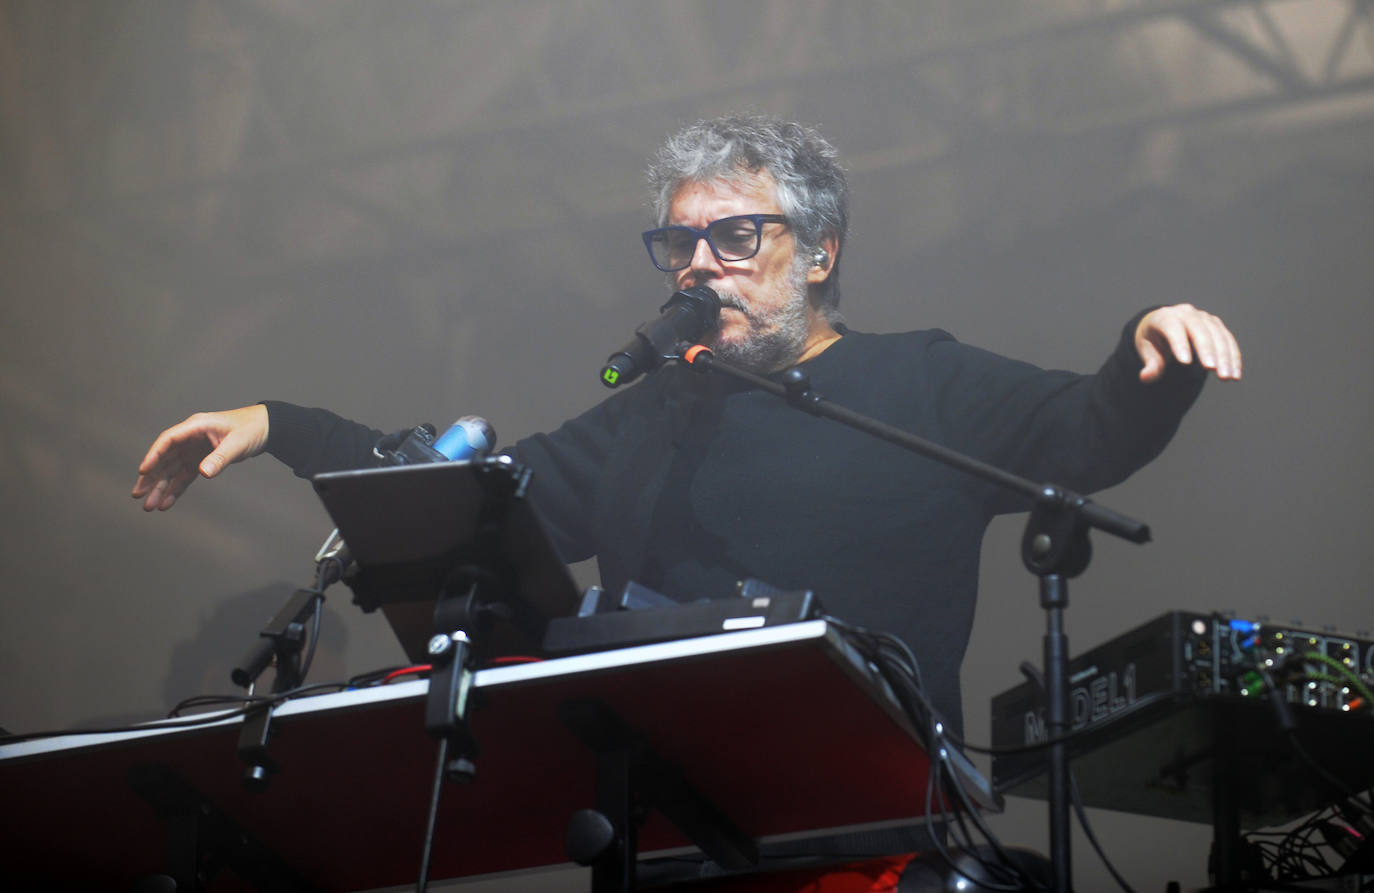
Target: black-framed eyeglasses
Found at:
731, 238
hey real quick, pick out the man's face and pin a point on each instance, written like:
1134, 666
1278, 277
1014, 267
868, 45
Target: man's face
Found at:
765, 319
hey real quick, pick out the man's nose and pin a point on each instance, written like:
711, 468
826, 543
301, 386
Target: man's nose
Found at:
704, 267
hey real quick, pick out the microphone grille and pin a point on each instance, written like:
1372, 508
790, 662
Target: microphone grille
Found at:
470, 437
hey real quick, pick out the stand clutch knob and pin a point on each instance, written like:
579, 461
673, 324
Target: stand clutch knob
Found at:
590, 836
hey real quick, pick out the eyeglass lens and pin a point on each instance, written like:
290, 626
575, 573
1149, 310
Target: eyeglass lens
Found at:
732, 238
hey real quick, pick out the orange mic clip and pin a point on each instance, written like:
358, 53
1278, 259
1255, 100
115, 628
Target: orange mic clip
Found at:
691, 354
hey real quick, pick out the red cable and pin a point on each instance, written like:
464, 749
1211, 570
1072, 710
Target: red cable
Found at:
425, 668
406, 671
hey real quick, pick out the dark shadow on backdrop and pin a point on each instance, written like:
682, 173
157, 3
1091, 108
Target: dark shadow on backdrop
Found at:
201, 665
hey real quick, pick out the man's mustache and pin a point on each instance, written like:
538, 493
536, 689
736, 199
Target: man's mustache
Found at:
729, 300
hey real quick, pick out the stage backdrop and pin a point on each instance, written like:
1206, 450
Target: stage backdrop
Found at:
412, 211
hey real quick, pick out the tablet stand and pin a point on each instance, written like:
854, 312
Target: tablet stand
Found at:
462, 537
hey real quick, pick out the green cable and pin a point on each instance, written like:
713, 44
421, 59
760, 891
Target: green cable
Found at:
1355, 681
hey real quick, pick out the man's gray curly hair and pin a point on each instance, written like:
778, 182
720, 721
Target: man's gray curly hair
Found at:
812, 190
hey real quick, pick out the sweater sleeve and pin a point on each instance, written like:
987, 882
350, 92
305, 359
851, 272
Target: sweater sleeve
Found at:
567, 462
1086, 432
312, 441
568, 465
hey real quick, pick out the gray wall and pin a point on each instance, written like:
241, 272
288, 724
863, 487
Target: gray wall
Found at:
408, 212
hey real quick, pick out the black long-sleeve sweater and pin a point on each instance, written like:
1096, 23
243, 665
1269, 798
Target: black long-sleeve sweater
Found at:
686, 483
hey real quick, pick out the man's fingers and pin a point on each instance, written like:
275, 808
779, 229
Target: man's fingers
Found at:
152, 479
235, 446
1213, 343
1177, 337
1184, 334
155, 496
1218, 357
163, 474
200, 446
1228, 358
168, 444
159, 493
141, 487
211, 465
1153, 362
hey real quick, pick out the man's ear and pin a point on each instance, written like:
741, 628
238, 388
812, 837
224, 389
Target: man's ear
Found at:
823, 261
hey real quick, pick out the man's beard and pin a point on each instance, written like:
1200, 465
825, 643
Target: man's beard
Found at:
775, 339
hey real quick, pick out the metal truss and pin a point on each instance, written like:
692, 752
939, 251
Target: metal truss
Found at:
966, 61
248, 178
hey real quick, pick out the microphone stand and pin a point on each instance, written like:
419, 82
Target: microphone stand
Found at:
1054, 547
280, 642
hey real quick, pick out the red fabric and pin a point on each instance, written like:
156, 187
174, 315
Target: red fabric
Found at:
869, 876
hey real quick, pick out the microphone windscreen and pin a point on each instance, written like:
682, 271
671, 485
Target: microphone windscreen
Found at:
468, 438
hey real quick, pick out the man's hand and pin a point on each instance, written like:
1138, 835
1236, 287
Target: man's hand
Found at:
204, 444
1181, 333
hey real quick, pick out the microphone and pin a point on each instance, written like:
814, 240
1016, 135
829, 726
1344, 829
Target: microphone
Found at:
687, 316
470, 437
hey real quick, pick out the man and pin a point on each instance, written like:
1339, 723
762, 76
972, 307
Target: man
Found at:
686, 483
